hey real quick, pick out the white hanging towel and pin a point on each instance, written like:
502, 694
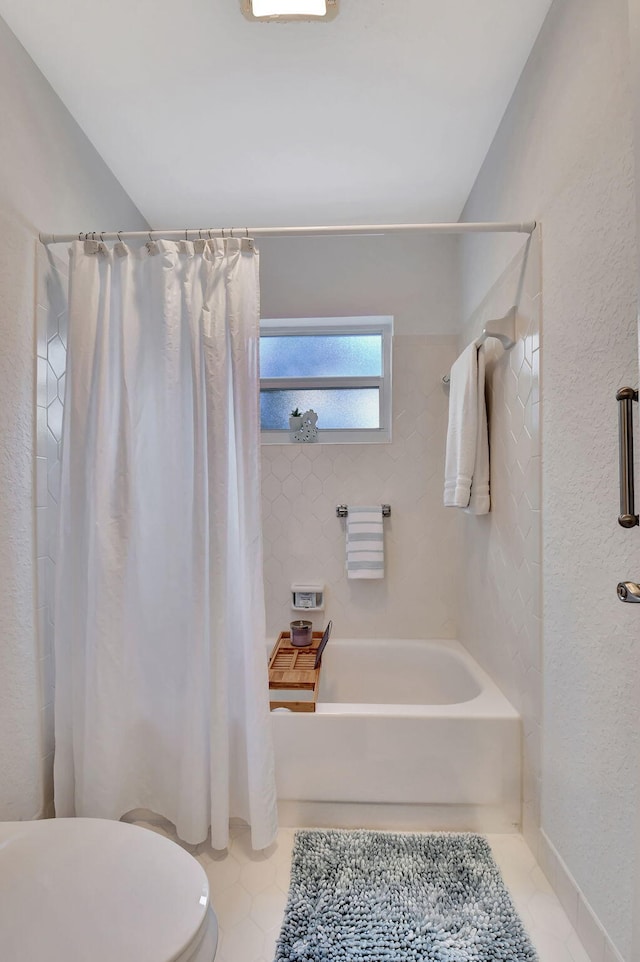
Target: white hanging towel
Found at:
365, 542
466, 482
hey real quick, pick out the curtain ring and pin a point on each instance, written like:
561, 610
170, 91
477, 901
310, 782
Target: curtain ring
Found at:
247, 230
199, 234
150, 237
119, 237
102, 237
222, 229
185, 234
209, 233
231, 231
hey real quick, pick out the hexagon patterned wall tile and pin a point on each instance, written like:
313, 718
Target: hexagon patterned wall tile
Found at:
305, 541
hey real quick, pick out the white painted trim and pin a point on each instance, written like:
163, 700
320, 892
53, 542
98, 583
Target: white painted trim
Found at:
591, 932
397, 817
328, 436
353, 324
316, 383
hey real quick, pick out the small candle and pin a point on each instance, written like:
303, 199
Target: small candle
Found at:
301, 634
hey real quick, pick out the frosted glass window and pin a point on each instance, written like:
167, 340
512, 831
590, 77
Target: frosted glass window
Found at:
321, 355
339, 367
339, 408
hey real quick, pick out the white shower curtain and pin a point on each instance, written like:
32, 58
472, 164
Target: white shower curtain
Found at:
161, 678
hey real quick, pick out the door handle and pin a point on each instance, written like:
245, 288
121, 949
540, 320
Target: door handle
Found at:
625, 398
629, 592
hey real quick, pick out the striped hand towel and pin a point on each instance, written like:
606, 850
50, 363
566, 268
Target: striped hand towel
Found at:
365, 542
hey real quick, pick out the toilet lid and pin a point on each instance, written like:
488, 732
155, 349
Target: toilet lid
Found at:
81, 889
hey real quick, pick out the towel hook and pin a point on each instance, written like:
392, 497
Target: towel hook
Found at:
502, 329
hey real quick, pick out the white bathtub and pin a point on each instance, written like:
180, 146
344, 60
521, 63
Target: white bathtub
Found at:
406, 734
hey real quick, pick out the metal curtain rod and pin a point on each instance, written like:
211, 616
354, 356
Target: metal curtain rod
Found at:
526, 227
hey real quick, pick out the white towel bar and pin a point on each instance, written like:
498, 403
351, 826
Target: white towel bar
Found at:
342, 511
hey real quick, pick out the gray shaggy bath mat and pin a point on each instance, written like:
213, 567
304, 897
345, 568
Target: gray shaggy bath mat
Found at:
377, 897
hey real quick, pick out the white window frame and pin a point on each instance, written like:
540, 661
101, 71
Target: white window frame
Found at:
336, 325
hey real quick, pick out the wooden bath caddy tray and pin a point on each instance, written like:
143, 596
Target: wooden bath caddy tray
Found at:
292, 670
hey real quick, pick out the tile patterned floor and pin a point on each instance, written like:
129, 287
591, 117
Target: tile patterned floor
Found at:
249, 891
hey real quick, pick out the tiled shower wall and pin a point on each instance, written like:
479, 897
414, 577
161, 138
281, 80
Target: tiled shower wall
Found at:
305, 541
51, 346
500, 620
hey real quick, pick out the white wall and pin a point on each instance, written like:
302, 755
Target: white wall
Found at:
563, 154
51, 178
413, 277
417, 281
634, 35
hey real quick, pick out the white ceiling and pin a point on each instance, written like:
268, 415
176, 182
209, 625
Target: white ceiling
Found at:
383, 115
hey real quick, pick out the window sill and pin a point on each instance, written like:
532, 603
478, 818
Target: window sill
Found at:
327, 436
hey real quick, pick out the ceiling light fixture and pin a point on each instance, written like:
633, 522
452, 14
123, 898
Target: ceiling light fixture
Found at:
283, 10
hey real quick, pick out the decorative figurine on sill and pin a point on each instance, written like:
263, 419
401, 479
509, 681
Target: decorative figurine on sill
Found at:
308, 430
